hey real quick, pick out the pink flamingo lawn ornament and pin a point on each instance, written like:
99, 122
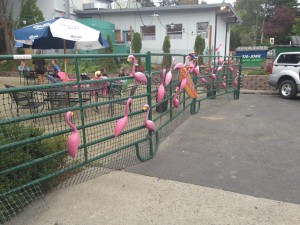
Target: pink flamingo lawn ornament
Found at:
224, 82
217, 49
121, 124
213, 76
235, 81
138, 76
161, 89
221, 66
149, 124
74, 138
175, 100
230, 68
184, 81
169, 74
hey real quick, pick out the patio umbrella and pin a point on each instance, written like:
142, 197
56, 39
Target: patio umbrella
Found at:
59, 33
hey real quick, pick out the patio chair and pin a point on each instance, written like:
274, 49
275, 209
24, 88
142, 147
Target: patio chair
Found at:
30, 76
117, 92
59, 100
25, 100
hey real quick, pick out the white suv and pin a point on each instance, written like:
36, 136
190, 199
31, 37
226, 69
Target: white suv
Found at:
285, 74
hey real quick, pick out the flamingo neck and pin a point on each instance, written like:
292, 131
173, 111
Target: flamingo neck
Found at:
71, 124
133, 66
126, 109
147, 114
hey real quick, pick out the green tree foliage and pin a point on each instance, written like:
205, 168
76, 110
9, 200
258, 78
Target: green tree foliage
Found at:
166, 49
168, 3
199, 47
280, 25
109, 62
187, 2
148, 3
256, 14
296, 27
137, 42
30, 13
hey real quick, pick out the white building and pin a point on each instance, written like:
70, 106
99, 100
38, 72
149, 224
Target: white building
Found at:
181, 23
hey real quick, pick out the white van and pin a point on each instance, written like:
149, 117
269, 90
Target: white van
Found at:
285, 74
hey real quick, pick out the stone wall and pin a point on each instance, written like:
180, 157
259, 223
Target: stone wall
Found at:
255, 82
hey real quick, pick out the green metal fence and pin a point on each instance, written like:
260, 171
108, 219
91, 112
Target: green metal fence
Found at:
33, 134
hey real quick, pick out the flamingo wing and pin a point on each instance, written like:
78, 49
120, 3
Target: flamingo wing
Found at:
168, 78
140, 77
175, 101
179, 66
150, 125
120, 126
73, 144
160, 93
183, 83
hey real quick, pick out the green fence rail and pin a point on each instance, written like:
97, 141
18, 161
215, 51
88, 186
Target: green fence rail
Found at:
33, 131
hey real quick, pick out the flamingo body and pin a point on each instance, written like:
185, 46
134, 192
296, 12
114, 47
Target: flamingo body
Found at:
121, 123
178, 66
230, 68
224, 82
138, 76
203, 80
213, 76
149, 124
169, 74
175, 100
161, 89
197, 71
74, 138
183, 83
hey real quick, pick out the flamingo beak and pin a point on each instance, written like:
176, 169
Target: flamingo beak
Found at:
145, 108
129, 60
72, 114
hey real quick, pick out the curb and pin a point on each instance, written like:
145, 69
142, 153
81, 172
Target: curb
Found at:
262, 92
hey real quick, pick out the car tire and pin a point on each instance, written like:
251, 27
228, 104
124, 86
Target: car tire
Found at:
288, 89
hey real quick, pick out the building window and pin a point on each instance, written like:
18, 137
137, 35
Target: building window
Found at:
174, 31
148, 32
202, 29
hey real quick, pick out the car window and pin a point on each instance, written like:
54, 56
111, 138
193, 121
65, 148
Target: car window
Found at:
289, 58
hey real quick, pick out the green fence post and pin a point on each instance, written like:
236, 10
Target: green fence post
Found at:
149, 85
81, 108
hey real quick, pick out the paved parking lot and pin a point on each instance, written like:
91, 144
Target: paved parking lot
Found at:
234, 163
250, 146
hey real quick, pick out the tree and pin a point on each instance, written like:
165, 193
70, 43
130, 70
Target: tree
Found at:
109, 62
147, 3
30, 13
199, 47
187, 2
296, 27
137, 42
168, 3
4, 27
255, 14
280, 25
166, 49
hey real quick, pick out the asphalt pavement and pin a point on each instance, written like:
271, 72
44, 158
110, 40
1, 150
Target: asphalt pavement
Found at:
234, 163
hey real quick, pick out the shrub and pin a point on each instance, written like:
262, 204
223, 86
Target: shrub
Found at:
26, 153
166, 49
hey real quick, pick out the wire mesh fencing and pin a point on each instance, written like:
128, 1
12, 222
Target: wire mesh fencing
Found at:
34, 132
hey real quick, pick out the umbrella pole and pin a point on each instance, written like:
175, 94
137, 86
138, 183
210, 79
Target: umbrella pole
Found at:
65, 60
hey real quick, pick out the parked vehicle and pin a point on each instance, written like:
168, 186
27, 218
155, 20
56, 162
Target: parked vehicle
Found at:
285, 74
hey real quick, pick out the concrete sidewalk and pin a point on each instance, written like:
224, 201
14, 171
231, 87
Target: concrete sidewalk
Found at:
122, 198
